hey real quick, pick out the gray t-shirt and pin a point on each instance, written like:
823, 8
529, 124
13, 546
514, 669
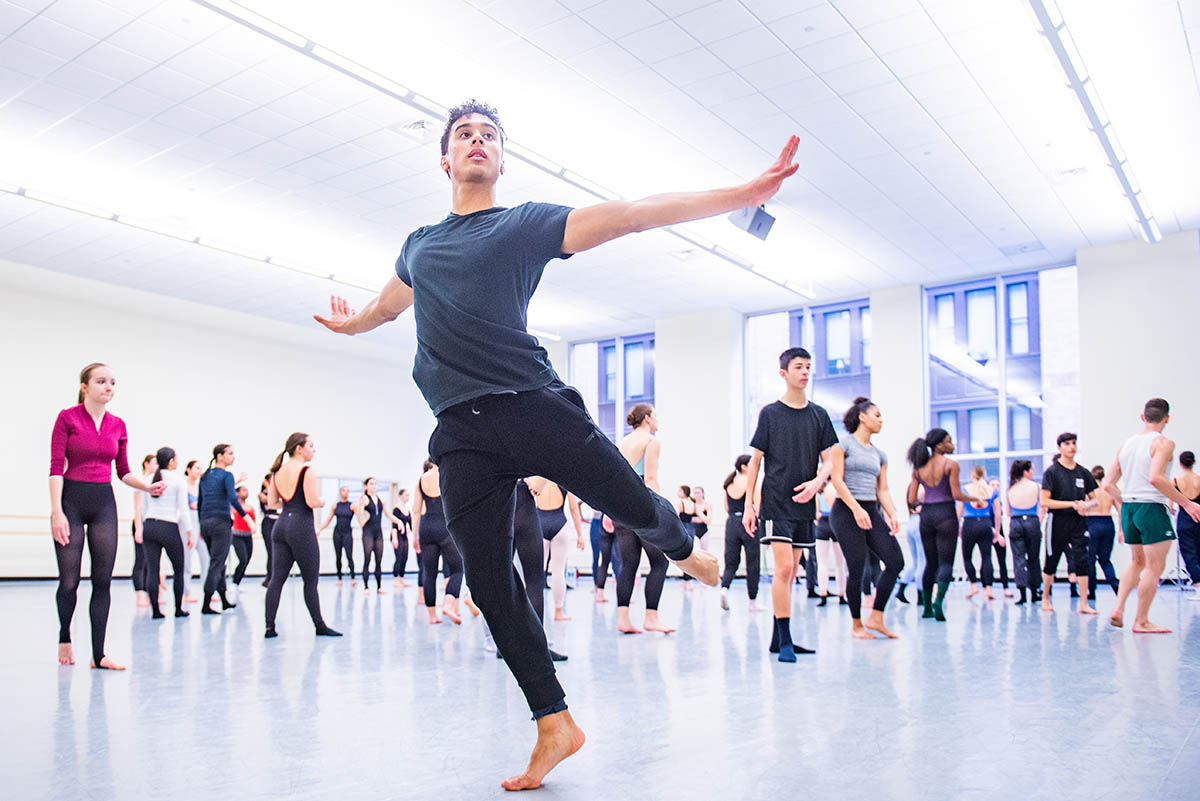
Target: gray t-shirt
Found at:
472, 276
862, 468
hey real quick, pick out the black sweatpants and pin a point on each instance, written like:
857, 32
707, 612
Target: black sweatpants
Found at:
159, 536
243, 546
343, 541
630, 547
91, 512
482, 447
531, 550
977, 533
1025, 537
1069, 535
218, 535
736, 541
855, 541
295, 542
939, 538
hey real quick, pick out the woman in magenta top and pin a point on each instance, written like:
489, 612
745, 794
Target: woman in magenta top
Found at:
85, 444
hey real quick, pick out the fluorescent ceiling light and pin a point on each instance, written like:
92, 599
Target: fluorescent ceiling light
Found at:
253, 19
378, 80
231, 249
174, 233
528, 156
10, 188
68, 204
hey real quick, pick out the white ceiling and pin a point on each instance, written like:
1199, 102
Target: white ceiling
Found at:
937, 139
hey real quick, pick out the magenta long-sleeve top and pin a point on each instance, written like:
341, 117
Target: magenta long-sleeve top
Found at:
80, 452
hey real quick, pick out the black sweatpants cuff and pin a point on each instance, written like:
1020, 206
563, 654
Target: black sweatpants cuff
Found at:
558, 706
668, 534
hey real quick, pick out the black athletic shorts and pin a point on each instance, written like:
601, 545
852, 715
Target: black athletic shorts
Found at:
797, 532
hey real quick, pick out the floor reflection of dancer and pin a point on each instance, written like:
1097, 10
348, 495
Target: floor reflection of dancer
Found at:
85, 444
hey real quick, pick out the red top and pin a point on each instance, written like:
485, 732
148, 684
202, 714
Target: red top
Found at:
86, 453
241, 523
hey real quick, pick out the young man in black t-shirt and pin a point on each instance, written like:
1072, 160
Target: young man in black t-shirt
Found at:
794, 437
502, 412
1068, 490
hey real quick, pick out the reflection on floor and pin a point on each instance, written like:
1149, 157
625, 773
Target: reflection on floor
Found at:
1000, 702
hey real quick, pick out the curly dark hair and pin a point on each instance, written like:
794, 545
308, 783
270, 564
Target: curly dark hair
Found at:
471, 106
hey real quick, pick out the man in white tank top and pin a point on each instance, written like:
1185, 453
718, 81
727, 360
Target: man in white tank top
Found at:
1138, 483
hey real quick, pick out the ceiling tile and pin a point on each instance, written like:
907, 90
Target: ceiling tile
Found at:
855, 77
862, 13
93, 18
717, 20
115, 62
748, 47
689, 67
810, 26
830, 54
566, 36
28, 60
719, 89
617, 18
658, 42
149, 41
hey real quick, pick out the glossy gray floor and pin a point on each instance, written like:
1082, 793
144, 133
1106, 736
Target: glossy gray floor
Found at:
1000, 702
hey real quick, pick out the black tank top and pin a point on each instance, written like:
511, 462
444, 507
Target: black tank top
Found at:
403, 518
374, 510
737, 506
700, 529
433, 506
344, 512
552, 520
297, 505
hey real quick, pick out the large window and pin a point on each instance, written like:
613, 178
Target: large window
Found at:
1003, 358
602, 376
838, 335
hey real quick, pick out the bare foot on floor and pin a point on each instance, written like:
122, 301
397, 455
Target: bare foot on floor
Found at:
558, 738
66, 656
876, 624
860, 633
559, 615
1047, 606
454, 618
1116, 621
106, 664
654, 624
972, 592
703, 565
1087, 610
628, 628
1149, 628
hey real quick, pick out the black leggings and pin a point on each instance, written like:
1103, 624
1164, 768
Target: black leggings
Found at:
295, 542
91, 512
268, 525
218, 534
435, 544
401, 550
243, 546
159, 536
1101, 536
372, 544
1002, 562
608, 546
939, 538
631, 547
1025, 535
977, 533
855, 541
343, 541
138, 573
737, 540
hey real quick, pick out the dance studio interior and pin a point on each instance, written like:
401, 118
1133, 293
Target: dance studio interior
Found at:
609, 399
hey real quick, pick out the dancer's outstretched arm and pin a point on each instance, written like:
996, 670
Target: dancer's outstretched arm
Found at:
393, 299
595, 225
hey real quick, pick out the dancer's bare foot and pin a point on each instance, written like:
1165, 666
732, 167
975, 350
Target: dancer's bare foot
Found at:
1087, 610
1047, 606
601, 598
189, 599
860, 632
703, 565
433, 616
1116, 621
987, 592
353, 582
143, 598
971, 593
339, 582
471, 606
652, 623
561, 615
66, 656
754, 607
558, 738
624, 624
454, 618
366, 590
1008, 593
106, 664
1147, 627
381, 591
875, 623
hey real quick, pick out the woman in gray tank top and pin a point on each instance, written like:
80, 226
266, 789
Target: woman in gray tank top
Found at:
863, 516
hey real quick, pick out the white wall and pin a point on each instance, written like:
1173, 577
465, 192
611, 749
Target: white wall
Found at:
189, 376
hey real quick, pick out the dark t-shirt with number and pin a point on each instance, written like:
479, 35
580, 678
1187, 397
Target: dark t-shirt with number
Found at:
791, 441
1068, 485
472, 276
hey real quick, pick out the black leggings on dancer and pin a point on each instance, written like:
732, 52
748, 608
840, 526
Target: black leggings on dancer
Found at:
631, 548
268, 525
91, 512
939, 538
737, 540
433, 546
159, 536
295, 542
977, 533
372, 544
343, 541
401, 563
855, 541
608, 547
1002, 562
1101, 536
243, 546
138, 573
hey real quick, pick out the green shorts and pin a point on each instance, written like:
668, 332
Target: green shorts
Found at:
1146, 523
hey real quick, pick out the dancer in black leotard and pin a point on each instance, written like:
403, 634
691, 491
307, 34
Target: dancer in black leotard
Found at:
343, 534
737, 538
939, 516
371, 511
429, 528
552, 504
84, 445
400, 537
167, 526
295, 535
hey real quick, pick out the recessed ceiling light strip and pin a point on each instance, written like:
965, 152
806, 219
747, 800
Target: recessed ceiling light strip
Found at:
352, 69
1054, 28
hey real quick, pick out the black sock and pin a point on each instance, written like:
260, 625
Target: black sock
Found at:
783, 629
774, 647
